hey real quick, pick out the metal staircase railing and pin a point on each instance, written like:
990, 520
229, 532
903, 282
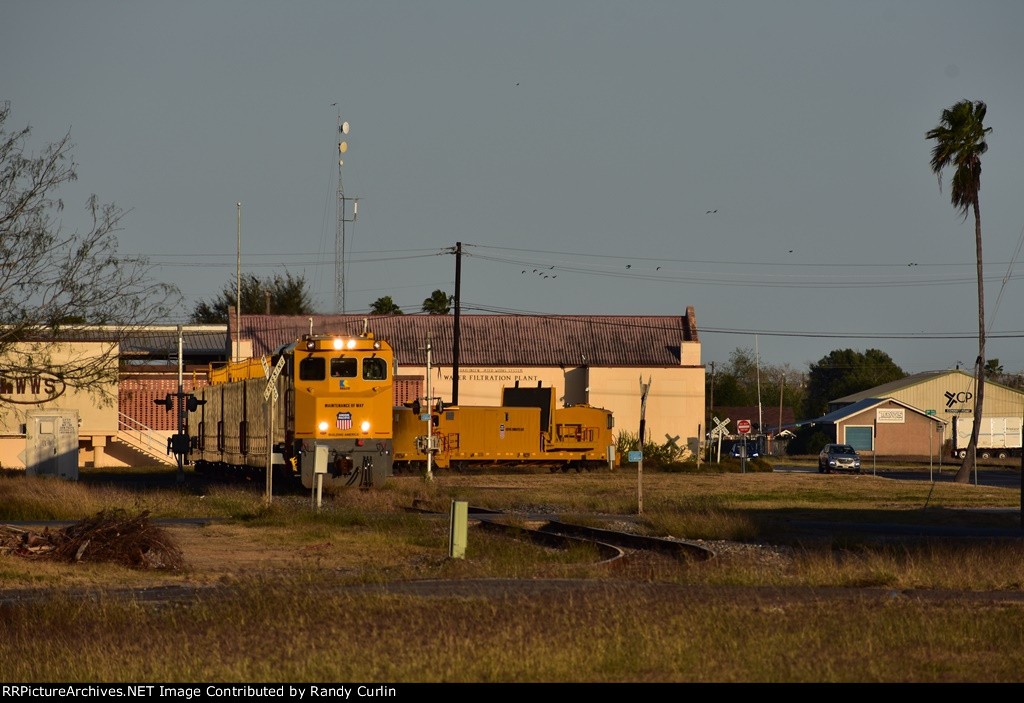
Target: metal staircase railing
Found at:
144, 439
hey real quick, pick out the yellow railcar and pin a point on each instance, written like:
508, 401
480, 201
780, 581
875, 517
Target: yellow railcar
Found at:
526, 430
332, 391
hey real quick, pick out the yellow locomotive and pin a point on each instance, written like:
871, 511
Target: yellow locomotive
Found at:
526, 430
332, 391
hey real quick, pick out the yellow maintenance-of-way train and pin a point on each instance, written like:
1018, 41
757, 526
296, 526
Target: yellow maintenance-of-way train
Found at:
332, 391
336, 392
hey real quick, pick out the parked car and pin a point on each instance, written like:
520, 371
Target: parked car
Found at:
838, 457
737, 450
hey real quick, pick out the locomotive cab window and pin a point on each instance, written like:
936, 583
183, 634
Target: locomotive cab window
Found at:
375, 369
312, 368
343, 367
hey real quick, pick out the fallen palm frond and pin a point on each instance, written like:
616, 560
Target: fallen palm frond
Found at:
109, 536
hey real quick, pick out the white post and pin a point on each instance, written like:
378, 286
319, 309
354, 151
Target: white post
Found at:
429, 476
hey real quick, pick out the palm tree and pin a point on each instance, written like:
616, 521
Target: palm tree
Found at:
959, 143
439, 303
385, 306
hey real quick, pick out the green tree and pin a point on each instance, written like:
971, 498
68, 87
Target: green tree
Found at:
439, 303
53, 280
385, 306
845, 371
288, 296
742, 381
993, 368
959, 144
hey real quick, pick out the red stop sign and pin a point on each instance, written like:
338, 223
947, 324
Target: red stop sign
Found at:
743, 426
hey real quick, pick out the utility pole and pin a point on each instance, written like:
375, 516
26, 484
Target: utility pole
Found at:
711, 406
782, 385
757, 362
182, 412
455, 321
238, 291
645, 388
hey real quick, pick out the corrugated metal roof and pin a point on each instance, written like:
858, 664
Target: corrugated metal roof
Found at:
862, 405
150, 341
211, 342
521, 340
887, 388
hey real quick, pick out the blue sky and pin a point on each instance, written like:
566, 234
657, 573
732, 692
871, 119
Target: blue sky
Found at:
587, 140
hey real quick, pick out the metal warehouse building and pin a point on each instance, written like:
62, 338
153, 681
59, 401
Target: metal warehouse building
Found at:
593, 359
944, 394
920, 412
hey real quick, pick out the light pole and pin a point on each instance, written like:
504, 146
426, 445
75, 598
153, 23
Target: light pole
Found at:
238, 291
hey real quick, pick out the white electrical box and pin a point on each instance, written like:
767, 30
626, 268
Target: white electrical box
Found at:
320, 460
51, 439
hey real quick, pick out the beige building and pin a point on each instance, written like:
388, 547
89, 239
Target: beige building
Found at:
944, 394
27, 387
593, 359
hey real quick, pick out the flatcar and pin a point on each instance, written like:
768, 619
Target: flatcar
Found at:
525, 430
332, 391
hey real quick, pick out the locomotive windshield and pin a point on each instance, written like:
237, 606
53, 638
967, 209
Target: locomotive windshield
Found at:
375, 369
312, 368
343, 367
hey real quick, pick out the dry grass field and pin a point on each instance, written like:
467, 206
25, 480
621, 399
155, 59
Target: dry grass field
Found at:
804, 586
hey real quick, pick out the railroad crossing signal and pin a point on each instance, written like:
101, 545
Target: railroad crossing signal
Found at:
721, 427
743, 426
271, 388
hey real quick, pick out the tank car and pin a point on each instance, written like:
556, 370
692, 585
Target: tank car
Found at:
332, 391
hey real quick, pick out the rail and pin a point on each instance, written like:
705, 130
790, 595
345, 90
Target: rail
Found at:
141, 436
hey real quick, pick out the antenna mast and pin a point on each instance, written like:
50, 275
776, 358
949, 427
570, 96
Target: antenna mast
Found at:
339, 239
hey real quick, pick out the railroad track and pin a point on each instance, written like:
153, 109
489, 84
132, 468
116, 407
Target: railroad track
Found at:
612, 544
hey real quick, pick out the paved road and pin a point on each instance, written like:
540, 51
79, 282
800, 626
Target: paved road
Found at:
1000, 478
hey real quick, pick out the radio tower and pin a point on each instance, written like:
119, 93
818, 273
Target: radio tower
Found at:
339, 239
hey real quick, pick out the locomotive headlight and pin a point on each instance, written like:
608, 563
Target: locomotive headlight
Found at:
323, 426
365, 426
351, 344
338, 344
376, 344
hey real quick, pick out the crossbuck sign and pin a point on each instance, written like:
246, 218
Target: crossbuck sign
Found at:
271, 388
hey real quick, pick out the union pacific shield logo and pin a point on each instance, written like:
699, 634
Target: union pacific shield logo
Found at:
344, 421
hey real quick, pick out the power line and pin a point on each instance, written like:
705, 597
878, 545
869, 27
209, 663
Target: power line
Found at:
743, 262
596, 320
725, 278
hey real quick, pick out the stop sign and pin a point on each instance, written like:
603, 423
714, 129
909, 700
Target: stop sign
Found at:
743, 426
